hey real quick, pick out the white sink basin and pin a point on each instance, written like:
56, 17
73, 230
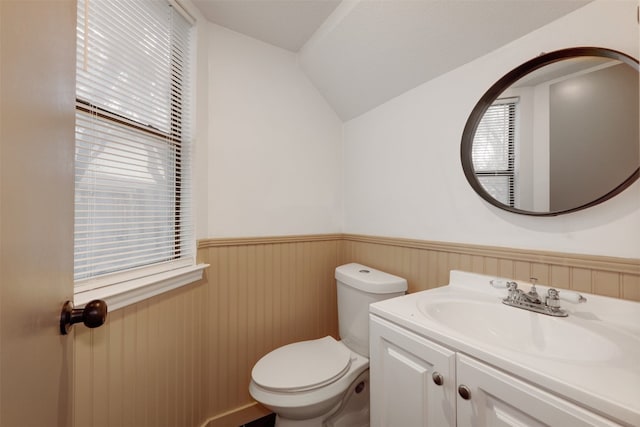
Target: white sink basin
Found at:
493, 323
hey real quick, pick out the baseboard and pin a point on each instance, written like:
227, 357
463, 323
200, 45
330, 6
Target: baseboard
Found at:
238, 416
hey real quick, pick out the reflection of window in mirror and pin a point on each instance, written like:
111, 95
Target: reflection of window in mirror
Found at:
532, 159
494, 150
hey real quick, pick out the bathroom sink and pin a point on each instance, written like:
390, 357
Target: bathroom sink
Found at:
492, 323
591, 356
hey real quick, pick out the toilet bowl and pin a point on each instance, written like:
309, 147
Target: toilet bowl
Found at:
318, 374
325, 382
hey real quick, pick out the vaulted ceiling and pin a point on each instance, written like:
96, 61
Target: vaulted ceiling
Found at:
361, 53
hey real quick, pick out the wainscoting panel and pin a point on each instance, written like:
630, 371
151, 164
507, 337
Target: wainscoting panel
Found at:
262, 294
427, 264
143, 368
184, 358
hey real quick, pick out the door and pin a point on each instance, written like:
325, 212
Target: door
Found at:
495, 399
412, 379
37, 74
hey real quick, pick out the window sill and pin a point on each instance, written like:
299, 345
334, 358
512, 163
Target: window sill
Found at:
132, 291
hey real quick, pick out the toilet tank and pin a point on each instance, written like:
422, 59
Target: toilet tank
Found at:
359, 286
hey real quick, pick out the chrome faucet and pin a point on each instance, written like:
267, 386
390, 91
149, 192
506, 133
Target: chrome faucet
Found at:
531, 300
532, 296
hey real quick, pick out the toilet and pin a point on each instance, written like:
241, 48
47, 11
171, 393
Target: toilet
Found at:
325, 382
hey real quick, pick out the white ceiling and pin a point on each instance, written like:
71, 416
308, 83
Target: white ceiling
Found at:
361, 53
284, 23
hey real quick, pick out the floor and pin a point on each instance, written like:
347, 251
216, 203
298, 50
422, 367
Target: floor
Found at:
268, 421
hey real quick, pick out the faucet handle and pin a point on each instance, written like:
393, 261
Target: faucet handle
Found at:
552, 299
572, 297
512, 290
499, 283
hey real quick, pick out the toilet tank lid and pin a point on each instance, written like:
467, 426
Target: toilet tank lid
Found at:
369, 279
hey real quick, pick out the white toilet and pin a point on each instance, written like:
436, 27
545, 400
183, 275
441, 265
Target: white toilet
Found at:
325, 382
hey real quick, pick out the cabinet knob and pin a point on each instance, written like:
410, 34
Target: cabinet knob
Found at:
437, 378
464, 392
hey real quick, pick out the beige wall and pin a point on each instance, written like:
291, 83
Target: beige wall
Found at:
185, 357
263, 294
427, 264
145, 366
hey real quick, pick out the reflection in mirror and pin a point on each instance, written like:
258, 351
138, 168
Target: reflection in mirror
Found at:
560, 138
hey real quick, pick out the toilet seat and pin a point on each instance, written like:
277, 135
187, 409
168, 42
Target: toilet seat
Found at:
302, 366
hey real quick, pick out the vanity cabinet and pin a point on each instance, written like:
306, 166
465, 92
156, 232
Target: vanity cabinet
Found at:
416, 382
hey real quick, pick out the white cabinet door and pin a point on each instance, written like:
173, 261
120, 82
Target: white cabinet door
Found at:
404, 392
498, 399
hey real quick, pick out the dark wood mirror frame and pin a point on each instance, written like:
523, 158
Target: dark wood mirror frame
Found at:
505, 82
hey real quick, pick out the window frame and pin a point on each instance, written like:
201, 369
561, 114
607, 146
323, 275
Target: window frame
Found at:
510, 171
130, 285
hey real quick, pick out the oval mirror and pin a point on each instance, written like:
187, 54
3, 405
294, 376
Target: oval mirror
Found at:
557, 134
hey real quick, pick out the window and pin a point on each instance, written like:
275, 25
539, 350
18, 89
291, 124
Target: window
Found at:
132, 161
494, 148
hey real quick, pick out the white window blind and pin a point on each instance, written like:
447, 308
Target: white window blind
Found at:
132, 162
494, 150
